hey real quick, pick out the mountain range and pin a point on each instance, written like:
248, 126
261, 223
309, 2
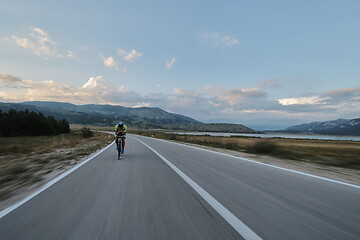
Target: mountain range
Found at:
109, 115
334, 127
156, 118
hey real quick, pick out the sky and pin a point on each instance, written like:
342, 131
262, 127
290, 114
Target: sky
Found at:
265, 64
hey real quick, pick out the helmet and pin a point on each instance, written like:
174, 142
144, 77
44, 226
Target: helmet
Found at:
120, 123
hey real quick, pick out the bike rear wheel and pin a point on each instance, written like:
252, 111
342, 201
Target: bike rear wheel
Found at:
119, 149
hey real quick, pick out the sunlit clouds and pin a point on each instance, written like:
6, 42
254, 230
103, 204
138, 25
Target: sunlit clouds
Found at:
170, 63
129, 56
122, 58
6, 78
211, 103
94, 90
40, 43
217, 39
110, 62
301, 101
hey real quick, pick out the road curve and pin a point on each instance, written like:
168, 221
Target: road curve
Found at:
141, 197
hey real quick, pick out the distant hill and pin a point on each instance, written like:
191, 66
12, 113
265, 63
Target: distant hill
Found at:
104, 114
109, 115
334, 127
219, 127
351, 127
316, 126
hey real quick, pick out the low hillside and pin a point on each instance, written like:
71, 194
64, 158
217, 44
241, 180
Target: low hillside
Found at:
334, 127
219, 127
105, 115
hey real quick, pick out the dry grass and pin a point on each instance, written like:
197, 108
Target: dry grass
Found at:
345, 154
27, 160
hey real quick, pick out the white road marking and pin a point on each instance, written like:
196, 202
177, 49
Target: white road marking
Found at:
265, 164
7, 210
238, 225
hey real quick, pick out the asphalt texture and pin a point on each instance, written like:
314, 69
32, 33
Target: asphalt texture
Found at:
141, 197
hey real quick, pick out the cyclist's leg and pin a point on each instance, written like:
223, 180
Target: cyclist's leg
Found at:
123, 142
116, 140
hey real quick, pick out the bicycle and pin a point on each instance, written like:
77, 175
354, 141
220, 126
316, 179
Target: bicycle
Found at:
120, 136
119, 147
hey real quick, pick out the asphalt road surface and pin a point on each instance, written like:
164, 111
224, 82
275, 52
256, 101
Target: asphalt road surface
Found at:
164, 190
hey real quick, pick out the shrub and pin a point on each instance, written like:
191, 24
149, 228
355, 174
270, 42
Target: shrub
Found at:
28, 123
264, 147
86, 132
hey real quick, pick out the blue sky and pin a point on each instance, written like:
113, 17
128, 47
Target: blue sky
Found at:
265, 64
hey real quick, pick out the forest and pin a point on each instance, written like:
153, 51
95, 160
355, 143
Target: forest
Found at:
28, 123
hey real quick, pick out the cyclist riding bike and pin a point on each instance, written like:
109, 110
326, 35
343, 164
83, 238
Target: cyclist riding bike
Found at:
120, 132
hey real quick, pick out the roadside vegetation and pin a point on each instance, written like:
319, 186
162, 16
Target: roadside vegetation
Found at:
344, 154
25, 161
25, 123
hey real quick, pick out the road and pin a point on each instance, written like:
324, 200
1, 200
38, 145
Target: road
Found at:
215, 197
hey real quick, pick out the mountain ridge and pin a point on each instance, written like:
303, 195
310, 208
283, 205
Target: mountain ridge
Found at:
109, 115
332, 127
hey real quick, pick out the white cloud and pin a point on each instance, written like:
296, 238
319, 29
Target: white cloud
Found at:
110, 62
40, 44
92, 82
96, 90
212, 103
216, 39
170, 63
70, 54
129, 56
141, 104
301, 101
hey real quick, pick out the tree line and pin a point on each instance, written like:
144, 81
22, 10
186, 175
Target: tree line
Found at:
28, 123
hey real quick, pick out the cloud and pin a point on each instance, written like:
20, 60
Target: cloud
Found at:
170, 63
5, 78
110, 62
92, 82
70, 54
341, 94
40, 44
301, 101
95, 90
217, 40
129, 56
238, 96
211, 103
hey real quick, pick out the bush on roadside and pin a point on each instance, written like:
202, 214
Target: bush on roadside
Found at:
86, 132
264, 147
29, 123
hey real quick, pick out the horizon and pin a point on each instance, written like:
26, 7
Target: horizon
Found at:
254, 128
266, 65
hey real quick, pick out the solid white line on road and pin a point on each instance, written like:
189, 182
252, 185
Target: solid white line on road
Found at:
238, 225
7, 210
265, 164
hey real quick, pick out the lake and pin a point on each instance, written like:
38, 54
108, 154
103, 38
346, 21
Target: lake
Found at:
275, 135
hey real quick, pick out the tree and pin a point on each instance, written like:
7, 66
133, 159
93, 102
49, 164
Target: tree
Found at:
26, 123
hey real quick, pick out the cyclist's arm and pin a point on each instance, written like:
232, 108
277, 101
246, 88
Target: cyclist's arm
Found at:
117, 130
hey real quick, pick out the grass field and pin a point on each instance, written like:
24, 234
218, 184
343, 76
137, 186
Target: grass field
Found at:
344, 154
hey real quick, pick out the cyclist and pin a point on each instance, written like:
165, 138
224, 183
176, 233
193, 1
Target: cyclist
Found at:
120, 131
